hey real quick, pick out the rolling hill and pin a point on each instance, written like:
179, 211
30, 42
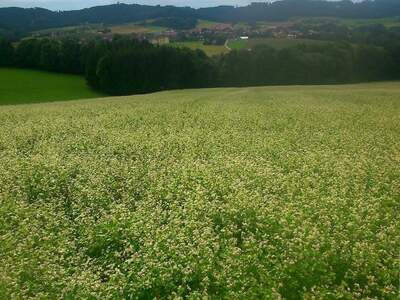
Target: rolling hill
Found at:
28, 86
235, 193
38, 18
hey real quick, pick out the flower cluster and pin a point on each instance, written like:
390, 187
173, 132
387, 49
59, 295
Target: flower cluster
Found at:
253, 193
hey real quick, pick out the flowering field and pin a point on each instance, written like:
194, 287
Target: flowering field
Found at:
252, 193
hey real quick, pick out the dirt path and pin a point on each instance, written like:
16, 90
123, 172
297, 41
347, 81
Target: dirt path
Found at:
226, 45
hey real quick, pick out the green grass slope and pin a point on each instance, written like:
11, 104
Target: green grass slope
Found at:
210, 50
277, 43
251, 193
28, 86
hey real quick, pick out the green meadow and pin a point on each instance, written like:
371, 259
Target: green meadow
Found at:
210, 50
206, 24
232, 193
132, 28
28, 86
277, 43
387, 22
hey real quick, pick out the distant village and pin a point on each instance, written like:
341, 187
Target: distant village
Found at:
220, 33
214, 34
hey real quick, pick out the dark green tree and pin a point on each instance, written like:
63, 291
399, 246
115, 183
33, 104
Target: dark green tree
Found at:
6, 53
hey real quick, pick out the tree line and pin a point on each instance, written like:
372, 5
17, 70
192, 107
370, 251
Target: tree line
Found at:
124, 66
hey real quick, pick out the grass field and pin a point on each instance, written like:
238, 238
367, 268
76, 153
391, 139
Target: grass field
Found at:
238, 44
251, 193
28, 86
206, 24
93, 29
350, 22
63, 29
241, 25
136, 28
387, 22
210, 50
86, 30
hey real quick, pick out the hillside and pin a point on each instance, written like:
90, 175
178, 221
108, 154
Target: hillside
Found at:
28, 86
237, 193
37, 18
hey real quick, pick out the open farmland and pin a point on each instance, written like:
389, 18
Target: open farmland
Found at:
136, 28
387, 22
277, 43
206, 24
210, 50
29, 86
238, 193
350, 22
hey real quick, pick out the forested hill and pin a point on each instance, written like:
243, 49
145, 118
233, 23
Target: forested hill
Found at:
285, 9
37, 18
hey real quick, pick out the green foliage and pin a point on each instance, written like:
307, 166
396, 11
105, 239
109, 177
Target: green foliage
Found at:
125, 66
64, 56
6, 53
252, 193
28, 86
324, 63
